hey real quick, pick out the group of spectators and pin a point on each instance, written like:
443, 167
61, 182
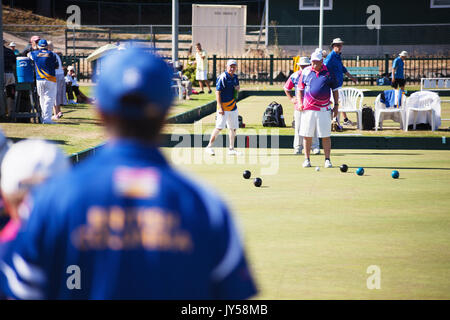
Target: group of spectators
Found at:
55, 84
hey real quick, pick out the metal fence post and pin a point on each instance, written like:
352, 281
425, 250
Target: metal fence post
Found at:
386, 64
153, 36
271, 69
214, 72
301, 36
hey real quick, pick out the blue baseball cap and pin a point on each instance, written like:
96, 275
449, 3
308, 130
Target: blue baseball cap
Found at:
42, 43
138, 73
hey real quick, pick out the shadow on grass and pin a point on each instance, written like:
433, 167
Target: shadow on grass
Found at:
376, 154
404, 168
350, 154
59, 142
81, 121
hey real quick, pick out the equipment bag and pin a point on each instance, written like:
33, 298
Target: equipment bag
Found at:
268, 119
368, 118
273, 116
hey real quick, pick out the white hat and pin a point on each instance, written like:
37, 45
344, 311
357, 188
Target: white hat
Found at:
12, 44
403, 54
337, 41
303, 61
317, 55
29, 162
69, 68
231, 62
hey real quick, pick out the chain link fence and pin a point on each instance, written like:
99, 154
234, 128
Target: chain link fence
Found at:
258, 63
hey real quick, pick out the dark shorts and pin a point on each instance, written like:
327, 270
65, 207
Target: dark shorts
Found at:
398, 83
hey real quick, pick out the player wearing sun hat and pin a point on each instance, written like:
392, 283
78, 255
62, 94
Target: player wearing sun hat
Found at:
398, 73
292, 83
315, 86
45, 63
227, 87
135, 227
12, 45
333, 61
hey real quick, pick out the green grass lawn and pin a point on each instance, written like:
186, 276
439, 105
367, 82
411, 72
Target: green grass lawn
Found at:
312, 235
79, 129
252, 109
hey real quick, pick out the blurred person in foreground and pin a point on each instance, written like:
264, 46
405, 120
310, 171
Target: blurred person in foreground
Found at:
27, 164
4, 146
139, 229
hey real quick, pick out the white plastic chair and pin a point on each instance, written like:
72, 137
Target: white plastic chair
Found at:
423, 101
348, 102
178, 89
382, 113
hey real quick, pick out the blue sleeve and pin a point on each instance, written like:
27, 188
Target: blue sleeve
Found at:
237, 80
333, 82
327, 60
344, 69
29, 260
395, 64
231, 275
56, 61
220, 84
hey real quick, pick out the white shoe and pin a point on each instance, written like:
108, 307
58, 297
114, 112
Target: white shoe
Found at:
233, 152
316, 151
210, 151
348, 123
306, 163
298, 151
328, 164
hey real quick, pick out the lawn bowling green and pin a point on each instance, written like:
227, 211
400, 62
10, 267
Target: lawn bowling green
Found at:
313, 236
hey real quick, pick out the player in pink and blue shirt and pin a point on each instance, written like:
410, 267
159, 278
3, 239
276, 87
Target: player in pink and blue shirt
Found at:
292, 83
314, 95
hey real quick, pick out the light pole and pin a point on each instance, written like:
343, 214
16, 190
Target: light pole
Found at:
174, 30
321, 25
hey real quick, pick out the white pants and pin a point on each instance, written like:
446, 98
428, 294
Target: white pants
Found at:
229, 118
47, 97
61, 98
316, 122
201, 75
298, 139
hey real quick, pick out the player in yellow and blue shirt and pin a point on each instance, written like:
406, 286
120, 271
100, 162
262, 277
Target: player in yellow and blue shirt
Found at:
45, 63
227, 88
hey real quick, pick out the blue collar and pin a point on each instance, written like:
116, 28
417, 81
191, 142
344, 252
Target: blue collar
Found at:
133, 149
